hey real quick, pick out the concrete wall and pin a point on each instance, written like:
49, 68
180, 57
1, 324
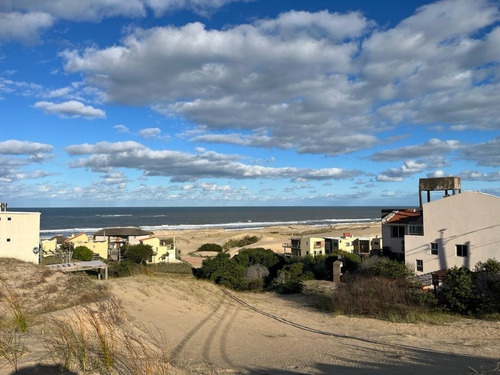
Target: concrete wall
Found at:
19, 235
469, 218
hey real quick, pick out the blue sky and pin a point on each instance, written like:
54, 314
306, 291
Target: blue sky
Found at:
234, 102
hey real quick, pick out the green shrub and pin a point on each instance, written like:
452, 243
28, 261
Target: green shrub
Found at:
224, 271
139, 254
121, 269
351, 260
491, 266
83, 253
390, 269
290, 278
240, 242
458, 293
210, 247
265, 257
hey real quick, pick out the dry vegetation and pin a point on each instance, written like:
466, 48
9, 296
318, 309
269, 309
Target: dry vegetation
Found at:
164, 323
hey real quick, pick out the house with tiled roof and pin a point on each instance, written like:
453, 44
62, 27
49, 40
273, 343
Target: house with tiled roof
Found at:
458, 229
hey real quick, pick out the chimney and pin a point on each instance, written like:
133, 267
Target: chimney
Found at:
3, 207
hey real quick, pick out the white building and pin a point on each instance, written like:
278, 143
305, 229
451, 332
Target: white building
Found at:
458, 230
19, 234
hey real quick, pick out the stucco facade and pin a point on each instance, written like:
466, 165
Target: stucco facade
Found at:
306, 245
20, 235
163, 250
458, 230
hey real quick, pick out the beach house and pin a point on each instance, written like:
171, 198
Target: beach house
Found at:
99, 247
343, 243
119, 237
164, 250
459, 229
367, 245
19, 235
306, 245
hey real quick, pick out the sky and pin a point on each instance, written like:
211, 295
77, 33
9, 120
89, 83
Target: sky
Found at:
246, 103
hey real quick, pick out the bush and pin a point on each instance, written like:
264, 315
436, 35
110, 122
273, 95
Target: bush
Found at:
245, 241
290, 278
265, 257
224, 271
83, 253
382, 298
138, 253
458, 293
175, 268
384, 267
491, 267
210, 247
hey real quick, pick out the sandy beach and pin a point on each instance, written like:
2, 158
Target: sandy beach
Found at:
188, 241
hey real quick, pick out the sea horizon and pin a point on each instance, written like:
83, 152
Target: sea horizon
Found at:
74, 220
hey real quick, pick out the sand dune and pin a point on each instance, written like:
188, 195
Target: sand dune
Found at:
211, 330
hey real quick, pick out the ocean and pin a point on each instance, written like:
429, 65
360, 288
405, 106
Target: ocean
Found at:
68, 220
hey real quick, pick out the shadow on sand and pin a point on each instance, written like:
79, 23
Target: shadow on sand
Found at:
415, 361
42, 370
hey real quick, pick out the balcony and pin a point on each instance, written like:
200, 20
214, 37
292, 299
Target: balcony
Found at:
415, 230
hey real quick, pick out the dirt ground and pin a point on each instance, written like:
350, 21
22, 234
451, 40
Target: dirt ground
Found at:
210, 328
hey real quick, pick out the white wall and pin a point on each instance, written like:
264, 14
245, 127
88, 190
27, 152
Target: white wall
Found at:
19, 235
469, 218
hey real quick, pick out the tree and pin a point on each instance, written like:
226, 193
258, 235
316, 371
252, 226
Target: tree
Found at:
138, 253
83, 253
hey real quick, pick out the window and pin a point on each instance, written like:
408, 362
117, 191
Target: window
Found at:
434, 248
9, 219
420, 265
8, 239
461, 250
397, 231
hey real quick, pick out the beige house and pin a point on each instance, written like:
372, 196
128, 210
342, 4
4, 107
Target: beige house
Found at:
98, 247
164, 250
306, 245
119, 237
343, 243
367, 245
19, 235
49, 246
458, 230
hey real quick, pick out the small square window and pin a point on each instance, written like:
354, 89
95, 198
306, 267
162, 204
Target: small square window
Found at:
8, 239
461, 250
9, 219
434, 248
420, 265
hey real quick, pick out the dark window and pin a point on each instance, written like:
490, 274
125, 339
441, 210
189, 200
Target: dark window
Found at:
461, 250
420, 265
397, 231
9, 219
8, 239
434, 248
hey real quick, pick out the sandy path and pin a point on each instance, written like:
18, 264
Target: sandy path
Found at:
270, 334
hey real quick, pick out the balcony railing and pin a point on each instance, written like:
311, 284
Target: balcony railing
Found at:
416, 230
